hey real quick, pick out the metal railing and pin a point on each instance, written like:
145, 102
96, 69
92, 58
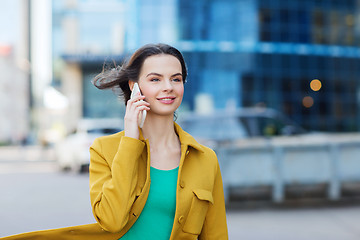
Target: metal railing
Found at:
277, 165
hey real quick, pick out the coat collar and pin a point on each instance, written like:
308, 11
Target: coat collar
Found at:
185, 138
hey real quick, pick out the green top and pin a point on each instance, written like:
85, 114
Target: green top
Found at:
157, 218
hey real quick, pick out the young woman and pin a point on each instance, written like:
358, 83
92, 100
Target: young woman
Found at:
154, 182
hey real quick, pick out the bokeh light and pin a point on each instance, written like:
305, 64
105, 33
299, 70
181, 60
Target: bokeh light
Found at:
315, 85
308, 102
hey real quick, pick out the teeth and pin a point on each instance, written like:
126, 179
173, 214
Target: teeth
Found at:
166, 99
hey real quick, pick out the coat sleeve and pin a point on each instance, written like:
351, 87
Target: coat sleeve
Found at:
112, 188
215, 226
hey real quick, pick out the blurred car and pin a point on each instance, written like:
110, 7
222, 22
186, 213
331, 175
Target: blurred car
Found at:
224, 126
72, 153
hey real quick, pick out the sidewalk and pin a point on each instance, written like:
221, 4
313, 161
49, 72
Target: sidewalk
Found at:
324, 223
31, 153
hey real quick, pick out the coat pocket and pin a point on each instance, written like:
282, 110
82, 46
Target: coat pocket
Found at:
197, 213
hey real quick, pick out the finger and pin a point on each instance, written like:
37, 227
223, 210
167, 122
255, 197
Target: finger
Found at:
139, 104
140, 109
133, 115
138, 98
133, 108
131, 102
135, 99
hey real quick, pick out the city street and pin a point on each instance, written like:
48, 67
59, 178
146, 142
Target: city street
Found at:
271, 86
35, 196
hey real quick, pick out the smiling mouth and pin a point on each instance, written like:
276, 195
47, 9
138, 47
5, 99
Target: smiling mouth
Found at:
166, 98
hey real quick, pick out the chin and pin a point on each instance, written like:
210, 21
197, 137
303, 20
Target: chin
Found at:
165, 110
162, 112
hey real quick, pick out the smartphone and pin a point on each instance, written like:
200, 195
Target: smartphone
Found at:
142, 115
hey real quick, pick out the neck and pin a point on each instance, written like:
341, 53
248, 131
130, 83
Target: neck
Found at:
159, 130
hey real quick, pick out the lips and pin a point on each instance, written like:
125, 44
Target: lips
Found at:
166, 100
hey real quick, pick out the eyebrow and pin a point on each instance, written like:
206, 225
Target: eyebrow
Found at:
157, 74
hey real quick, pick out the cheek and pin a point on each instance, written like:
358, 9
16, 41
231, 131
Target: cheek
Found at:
146, 90
180, 91
148, 94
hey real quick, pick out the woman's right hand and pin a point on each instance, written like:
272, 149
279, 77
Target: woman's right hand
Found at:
131, 120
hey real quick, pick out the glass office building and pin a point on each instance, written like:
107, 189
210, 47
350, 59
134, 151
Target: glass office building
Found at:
240, 53
268, 52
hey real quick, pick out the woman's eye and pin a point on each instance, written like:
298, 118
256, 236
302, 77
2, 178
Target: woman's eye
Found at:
154, 80
177, 80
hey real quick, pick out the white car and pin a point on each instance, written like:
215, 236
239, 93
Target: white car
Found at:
72, 153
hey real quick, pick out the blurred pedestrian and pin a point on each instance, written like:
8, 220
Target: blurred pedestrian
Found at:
154, 182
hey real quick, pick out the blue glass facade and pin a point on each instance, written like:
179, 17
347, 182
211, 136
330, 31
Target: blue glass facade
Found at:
239, 52
267, 53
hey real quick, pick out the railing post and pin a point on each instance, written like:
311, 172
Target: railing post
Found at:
278, 184
334, 185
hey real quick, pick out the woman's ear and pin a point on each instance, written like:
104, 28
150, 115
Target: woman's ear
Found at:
131, 85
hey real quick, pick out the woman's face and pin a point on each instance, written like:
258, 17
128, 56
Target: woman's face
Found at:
161, 83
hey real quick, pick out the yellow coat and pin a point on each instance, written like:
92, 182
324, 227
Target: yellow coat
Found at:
120, 183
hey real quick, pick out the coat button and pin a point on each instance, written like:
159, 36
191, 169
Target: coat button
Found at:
181, 219
182, 184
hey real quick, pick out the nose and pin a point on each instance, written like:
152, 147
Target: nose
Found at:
168, 86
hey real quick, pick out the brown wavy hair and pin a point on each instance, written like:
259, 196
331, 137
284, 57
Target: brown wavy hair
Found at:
119, 76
